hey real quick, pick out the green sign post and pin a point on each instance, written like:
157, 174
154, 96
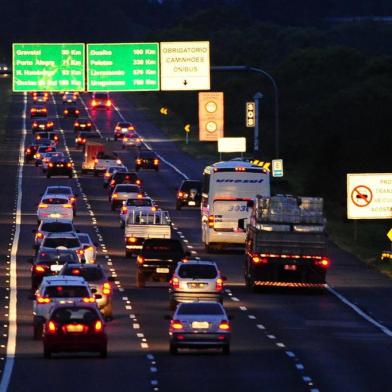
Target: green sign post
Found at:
123, 67
48, 67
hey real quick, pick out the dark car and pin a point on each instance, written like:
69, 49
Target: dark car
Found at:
124, 178
59, 167
71, 111
38, 111
82, 124
189, 194
30, 151
158, 259
50, 262
46, 135
74, 327
123, 128
101, 100
146, 159
42, 125
82, 137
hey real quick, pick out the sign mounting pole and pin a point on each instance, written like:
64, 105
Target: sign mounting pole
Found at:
256, 143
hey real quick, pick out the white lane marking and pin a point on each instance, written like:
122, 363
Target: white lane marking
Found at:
260, 326
290, 354
159, 156
272, 337
359, 311
252, 317
299, 366
12, 318
243, 308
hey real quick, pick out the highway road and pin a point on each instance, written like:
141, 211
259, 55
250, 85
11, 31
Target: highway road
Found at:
285, 340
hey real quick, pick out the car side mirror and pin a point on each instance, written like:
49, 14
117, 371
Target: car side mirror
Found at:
111, 278
167, 317
97, 296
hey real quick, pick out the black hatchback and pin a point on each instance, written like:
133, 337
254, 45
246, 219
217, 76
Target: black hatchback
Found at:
189, 194
147, 159
59, 167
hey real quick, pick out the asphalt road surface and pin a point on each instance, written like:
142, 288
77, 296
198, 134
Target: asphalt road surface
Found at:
282, 340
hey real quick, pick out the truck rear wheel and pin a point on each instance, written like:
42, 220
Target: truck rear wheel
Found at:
140, 282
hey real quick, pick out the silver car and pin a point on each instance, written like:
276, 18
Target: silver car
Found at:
196, 280
100, 284
123, 192
63, 241
200, 325
51, 226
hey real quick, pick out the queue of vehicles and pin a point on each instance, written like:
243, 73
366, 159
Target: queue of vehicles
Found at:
284, 248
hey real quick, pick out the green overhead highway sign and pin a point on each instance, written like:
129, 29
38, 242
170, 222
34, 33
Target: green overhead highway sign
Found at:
48, 67
123, 67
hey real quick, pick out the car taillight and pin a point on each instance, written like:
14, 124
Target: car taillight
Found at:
73, 199
211, 220
112, 182
118, 162
140, 196
140, 259
138, 161
176, 324
224, 325
51, 327
34, 124
256, 259
124, 210
39, 235
67, 205
80, 251
77, 111
323, 262
88, 300
95, 160
156, 161
43, 300
28, 151
153, 209
118, 128
76, 124
125, 139
106, 288
132, 240
175, 282
138, 182
115, 196
93, 102
98, 326
108, 102
51, 164
219, 284
38, 155
89, 124
43, 205
65, 111
40, 268
180, 194
88, 248
69, 164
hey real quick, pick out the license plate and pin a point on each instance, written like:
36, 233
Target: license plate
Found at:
55, 267
290, 267
196, 285
82, 125
200, 324
162, 270
191, 203
74, 328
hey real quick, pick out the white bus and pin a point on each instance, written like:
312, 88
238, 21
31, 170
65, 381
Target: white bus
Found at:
229, 188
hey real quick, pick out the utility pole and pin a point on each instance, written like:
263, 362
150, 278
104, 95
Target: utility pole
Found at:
256, 143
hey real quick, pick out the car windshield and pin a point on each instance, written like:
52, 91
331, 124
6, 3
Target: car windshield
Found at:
113, 169
56, 242
54, 200
200, 309
139, 203
188, 185
59, 191
74, 314
61, 258
89, 274
197, 271
60, 291
57, 227
127, 188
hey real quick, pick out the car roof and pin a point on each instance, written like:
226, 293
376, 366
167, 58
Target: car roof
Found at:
63, 280
198, 262
84, 266
55, 196
67, 234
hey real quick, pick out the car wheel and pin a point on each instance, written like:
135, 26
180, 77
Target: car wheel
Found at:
104, 352
226, 349
140, 283
47, 353
37, 331
173, 349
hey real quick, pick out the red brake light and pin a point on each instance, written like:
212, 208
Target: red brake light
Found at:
76, 124
39, 235
175, 282
211, 220
52, 328
323, 262
94, 102
66, 111
138, 182
256, 259
108, 102
75, 271
219, 284
107, 288
43, 205
118, 128
176, 324
43, 300
140, 259
224, 325
96, 160
28, 151
115, 196
180, 194
39, 268
98, 327
88, 300
156, 161
138, 161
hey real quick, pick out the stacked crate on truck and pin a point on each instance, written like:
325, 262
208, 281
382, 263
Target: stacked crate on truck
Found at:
286, 243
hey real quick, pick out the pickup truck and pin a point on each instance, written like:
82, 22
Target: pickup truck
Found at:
145, 224
106, 158
158, 259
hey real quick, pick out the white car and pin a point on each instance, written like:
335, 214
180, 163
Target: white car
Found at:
143, 203
131, 140
89, 248
46, 157
123, 192
62, 190
107, 176
55, 207
57, 289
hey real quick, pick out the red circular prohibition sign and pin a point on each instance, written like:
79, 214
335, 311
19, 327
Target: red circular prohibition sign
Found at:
361, 196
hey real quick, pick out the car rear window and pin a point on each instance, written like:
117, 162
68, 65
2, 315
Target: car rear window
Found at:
59, 190
162, 246
147, 154
66, 242
54, 200
200, 309
125, 176
124, 124
139, 203
101, 96
61, 258
188, 185
57, 227
89, 274
128, 188
66, 291
66, 315
194, 271
46, 148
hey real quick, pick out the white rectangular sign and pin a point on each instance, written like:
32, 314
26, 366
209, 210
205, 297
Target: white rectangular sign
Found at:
232, 144
185, 65
277, 168
369, 196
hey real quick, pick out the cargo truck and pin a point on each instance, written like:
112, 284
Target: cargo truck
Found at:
91, 151
286, 243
